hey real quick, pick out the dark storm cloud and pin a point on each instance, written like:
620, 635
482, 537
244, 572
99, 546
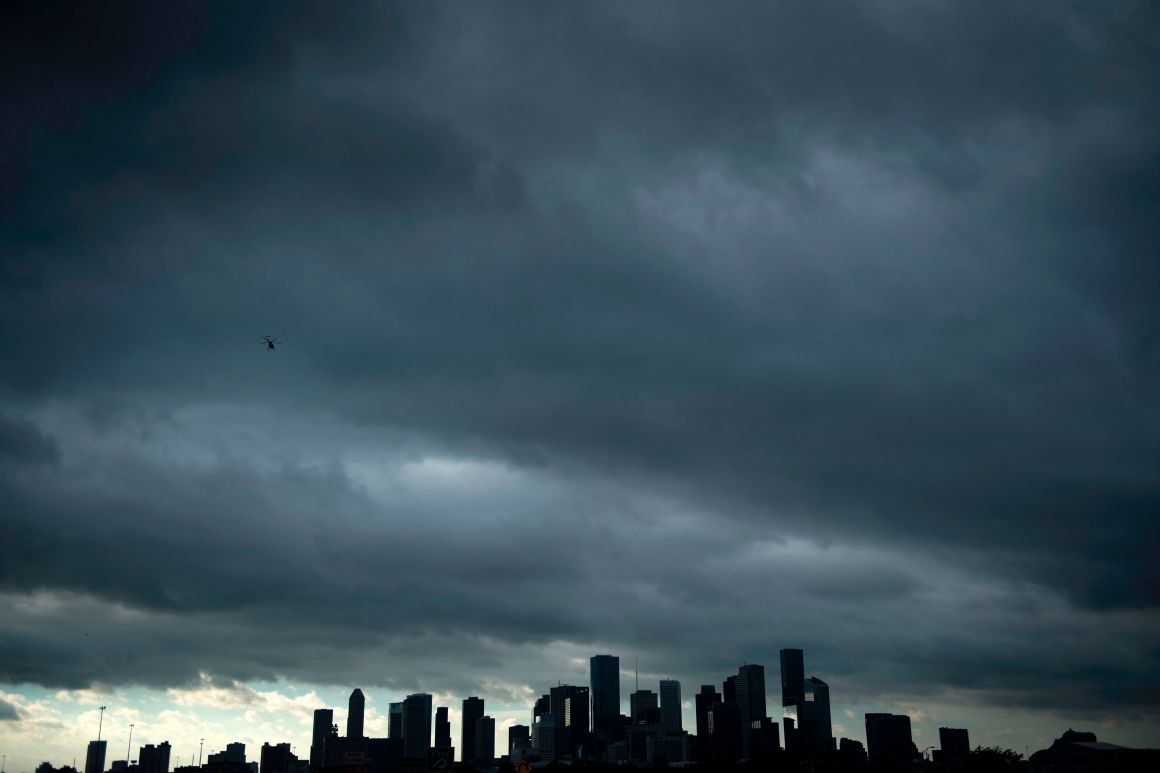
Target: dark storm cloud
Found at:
8, 712
865, 275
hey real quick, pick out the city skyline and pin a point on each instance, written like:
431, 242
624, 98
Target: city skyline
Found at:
681, 331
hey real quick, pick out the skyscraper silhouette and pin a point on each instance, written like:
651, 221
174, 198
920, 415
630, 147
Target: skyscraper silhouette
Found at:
604, 679
815, 732
354, 715
485, 739
95, 756
154, 759
704, 701
888, 739
416, 725
670, 705
569, 705
442, 729
395, 720
323, 720
472, 711
750, 700
639, 701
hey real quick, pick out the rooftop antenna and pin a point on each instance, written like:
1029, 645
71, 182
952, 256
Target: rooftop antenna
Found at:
636, 667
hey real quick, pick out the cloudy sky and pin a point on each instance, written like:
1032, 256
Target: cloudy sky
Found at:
684, 331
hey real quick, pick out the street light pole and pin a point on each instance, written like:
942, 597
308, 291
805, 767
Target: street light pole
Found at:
100, 725
129, 748
199, 748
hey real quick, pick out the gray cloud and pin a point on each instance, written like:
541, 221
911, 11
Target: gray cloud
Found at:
645, 293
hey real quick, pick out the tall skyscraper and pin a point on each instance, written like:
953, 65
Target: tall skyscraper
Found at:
519, 737
750, 701
442, 729
472, 711
416, 725
888, 739
793, 693
95, 757
670, 705
704, 701
815, 733
154, 759
395, 720
569, 705
485, 739
354, 714
639, 701
793, 677
323, 720
604, 679
729, 689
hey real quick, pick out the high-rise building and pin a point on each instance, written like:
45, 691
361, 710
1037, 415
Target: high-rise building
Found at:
750, 701
724, 742
569, 705
416, 725
604, 680
954, 746
670, 706
442, 729
814, 730
793, 677
395, 720
729, 689
323, 720
472, 711
273, 759
354, 714
485, 739
704, 701
544, 735
95, 757
639, 701
519, 737
888, 739
154, 759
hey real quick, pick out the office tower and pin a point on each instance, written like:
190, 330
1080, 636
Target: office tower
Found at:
729, 689
274, 759
544, 735
853, 752
604, 679
472, 711
95, 757
888, 739
639, 701
670, 706
155, 759
954, 746
793, 694
725, 732
485, 739
354, 714
323, 720
793, 677
416, 725
814, 731
750, 701
442, 729
570, 706
233, 753
704, 701
395, 720
519, 737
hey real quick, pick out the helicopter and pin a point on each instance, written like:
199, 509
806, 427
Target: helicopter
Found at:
270, 342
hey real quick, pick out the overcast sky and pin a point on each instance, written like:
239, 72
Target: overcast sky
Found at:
684, 331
